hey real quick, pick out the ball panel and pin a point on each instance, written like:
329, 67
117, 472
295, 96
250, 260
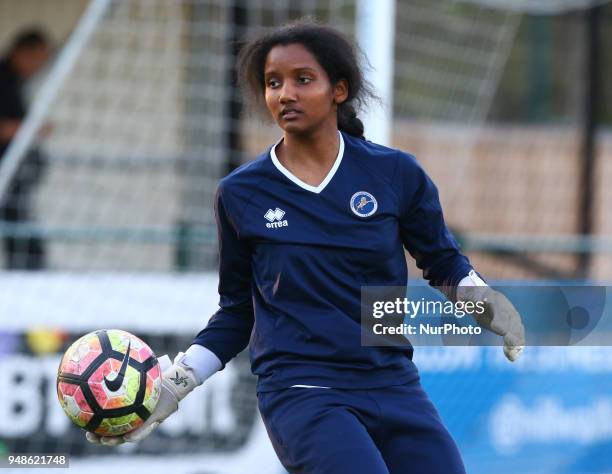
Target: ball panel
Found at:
119, 339
65, 388
76, 407
81, 354
154, 372
132, 385
153, 390
81, 401
119, 425
142, 354
139, 350
96, 381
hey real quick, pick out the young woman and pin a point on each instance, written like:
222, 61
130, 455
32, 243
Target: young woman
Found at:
302, 228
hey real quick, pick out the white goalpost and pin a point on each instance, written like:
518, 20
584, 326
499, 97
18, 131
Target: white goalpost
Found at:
376, 38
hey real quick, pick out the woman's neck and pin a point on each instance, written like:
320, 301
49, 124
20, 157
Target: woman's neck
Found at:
309, 157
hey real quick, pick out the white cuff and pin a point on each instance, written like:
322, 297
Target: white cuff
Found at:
203, 362
472, 279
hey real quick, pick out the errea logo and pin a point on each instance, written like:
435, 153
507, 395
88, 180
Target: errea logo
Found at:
275, 218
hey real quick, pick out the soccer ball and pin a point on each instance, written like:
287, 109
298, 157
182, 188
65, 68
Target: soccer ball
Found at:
109, 382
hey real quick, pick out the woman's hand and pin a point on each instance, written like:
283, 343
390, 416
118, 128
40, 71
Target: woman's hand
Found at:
499, 316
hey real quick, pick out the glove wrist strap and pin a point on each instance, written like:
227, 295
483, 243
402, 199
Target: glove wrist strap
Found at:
179, 379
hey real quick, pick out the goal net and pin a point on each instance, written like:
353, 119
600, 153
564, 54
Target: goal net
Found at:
147, 118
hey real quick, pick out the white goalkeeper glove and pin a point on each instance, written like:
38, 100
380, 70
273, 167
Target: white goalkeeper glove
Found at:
178, 380
499, 315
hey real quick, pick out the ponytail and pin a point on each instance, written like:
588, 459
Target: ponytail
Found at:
348, 121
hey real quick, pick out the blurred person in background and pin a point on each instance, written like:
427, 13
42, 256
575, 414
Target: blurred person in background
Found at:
28, 54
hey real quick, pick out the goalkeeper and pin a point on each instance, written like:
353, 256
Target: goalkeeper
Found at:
302, 228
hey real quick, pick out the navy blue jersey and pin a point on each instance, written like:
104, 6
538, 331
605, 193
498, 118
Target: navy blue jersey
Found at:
293, 259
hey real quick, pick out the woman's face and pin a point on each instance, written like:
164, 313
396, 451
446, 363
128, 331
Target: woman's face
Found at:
298, 92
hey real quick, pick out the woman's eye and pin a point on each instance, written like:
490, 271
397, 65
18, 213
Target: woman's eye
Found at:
305, 79
272, 83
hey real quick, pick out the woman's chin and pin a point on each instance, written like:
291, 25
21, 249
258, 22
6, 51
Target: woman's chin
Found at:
291, 127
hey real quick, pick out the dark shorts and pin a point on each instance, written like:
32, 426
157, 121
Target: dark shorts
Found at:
389, 430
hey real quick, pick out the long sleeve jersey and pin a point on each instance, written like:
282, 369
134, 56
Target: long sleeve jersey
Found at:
293, 259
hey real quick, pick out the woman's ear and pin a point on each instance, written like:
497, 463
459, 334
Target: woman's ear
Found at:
340, 91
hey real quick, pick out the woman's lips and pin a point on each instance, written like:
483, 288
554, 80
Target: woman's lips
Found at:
290, 114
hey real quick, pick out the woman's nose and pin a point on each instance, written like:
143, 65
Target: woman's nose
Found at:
287, 93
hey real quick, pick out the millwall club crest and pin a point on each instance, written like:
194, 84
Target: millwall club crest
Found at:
363, 204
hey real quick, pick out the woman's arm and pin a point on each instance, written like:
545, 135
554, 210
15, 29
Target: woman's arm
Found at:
436, 252
229, 329
227, 333
423, 230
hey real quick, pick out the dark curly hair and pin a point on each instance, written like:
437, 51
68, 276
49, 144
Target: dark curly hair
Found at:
335, 53
32, 37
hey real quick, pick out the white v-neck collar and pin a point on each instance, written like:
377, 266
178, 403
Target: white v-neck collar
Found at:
298, 181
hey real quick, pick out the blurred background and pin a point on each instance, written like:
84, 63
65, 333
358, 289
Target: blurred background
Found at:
118, 118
